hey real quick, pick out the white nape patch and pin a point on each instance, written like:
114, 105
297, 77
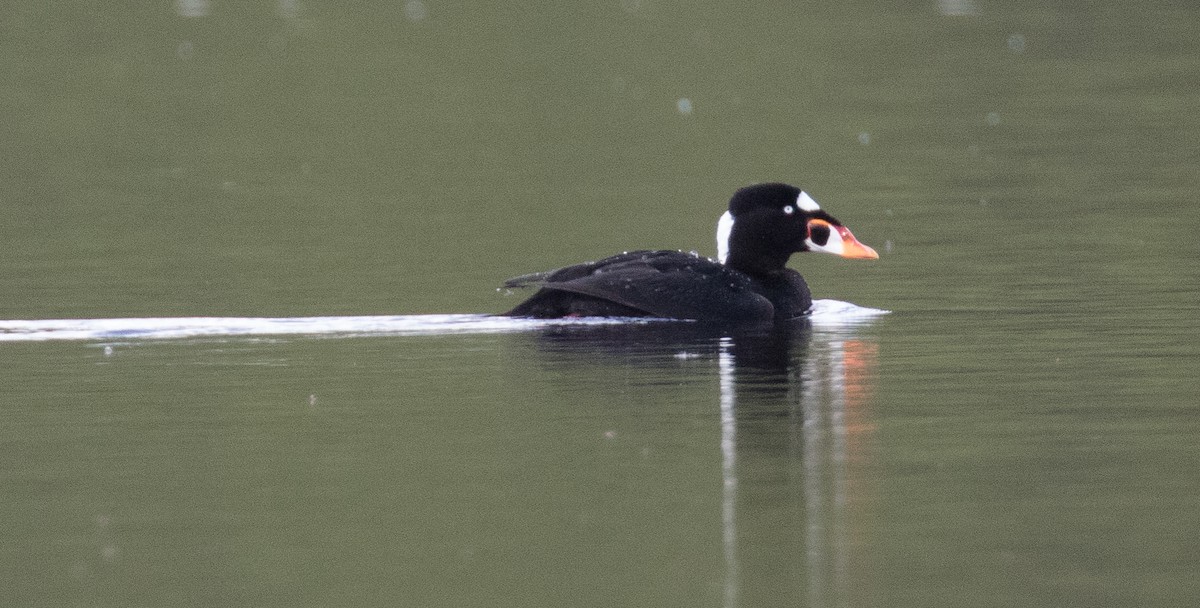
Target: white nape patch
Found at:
724, 229
806, 202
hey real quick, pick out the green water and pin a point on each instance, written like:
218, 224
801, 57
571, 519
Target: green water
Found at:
1022, 430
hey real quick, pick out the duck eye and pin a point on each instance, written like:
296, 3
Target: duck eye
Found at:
818, 234
788, 210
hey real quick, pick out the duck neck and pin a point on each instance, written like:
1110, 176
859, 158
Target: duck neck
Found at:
758, 265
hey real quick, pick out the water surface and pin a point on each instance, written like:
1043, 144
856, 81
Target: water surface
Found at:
1022, 429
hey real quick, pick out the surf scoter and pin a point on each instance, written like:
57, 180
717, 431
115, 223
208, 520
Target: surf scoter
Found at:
748, 283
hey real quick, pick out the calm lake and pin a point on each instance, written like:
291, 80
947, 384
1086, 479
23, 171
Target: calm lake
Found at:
249, 250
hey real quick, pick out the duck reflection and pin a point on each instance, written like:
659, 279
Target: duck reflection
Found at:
795, 442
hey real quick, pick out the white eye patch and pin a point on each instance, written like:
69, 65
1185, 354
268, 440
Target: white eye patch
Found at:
806, 202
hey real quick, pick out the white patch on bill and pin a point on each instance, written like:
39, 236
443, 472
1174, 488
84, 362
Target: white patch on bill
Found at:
833, 245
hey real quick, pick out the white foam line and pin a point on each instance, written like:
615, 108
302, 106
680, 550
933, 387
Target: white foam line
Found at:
827, 314
837, 315
190, 327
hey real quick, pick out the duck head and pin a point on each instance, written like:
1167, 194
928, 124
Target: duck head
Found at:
767, 223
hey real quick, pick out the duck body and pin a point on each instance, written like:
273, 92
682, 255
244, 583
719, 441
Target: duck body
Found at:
748, 283
665, 284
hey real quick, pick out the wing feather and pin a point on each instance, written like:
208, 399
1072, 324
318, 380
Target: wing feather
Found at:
661, 283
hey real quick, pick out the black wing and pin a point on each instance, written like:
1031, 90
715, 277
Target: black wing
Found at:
669, 284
